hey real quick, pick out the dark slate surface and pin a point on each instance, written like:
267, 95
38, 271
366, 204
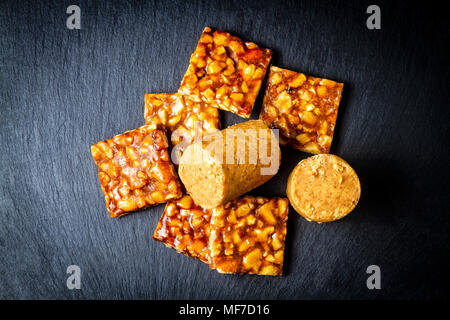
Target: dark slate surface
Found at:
62, 90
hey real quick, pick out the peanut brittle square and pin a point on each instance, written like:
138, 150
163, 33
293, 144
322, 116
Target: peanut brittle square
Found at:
184, 226
182, 117
226, 72
248, 235
303, 108
135, 170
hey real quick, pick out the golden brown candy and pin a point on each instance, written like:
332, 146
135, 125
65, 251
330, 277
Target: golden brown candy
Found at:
183, 118
248, 235
135, 170
226, 72
303, 108
184, 226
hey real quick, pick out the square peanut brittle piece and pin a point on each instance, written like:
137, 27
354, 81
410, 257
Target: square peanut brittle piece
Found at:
248, 234
182, 117
303, 108
184, 226
226, 72
135, 170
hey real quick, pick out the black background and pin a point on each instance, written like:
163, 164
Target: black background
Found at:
62, 90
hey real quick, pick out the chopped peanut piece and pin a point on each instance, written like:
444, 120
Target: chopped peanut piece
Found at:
266, 212
258, 236
252, 260
268, 270
185, 202
304, 108
135, 171
245, 245
231, 68
297, 81
157, 196
243, 210
184, 219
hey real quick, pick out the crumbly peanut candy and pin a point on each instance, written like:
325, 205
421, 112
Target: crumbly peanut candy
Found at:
184, 226
135, 170
182, 117
226, 72
247, 236
304, 108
